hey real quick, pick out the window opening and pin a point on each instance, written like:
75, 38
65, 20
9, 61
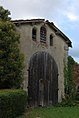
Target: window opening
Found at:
43, 34
34, 34
51, 40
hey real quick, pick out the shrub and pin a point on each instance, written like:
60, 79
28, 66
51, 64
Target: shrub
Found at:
12, 103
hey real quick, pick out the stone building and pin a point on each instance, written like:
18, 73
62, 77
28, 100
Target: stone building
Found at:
45, 49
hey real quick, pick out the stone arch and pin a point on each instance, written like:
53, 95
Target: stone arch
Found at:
43, 80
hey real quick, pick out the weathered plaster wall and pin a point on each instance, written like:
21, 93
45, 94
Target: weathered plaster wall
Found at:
58, 51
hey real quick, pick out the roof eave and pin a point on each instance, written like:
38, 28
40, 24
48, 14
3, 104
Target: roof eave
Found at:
58, 32
51, 24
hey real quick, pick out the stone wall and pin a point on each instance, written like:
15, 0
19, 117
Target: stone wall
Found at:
58, 51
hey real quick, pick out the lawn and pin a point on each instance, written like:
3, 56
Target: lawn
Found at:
53, 112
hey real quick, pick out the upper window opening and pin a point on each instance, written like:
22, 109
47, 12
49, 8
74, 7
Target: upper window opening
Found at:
43, 34
51, 40
34, 34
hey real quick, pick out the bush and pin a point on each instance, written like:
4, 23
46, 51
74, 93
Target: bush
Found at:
12, 103
67, 102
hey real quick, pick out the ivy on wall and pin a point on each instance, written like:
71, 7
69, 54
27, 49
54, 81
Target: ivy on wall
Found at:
69, 78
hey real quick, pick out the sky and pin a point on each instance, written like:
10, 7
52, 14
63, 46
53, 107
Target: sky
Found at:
63, 13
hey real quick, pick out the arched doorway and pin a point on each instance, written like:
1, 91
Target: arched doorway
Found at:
43, 80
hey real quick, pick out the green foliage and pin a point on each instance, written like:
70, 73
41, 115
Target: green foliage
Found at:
11, 60
4, 14
12, 103
68, 101
69, 82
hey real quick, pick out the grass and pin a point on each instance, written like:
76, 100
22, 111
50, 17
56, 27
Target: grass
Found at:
21, 116
53, 112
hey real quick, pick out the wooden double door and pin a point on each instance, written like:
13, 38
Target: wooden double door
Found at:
43, 80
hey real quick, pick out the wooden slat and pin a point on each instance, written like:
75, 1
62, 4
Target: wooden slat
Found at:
43, 80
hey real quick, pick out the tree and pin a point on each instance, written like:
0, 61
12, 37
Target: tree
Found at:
11, 60
4, 14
